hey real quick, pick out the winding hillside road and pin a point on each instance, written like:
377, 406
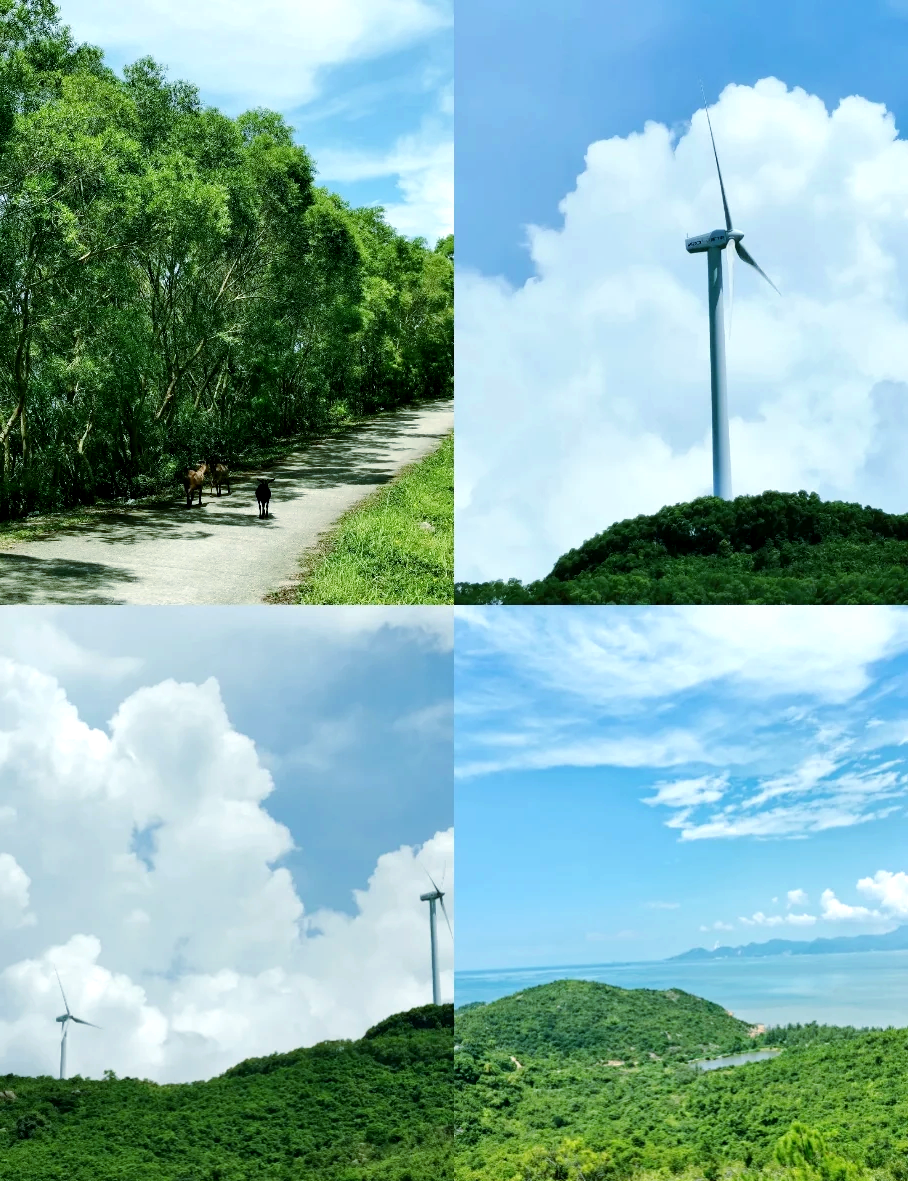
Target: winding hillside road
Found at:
222, 552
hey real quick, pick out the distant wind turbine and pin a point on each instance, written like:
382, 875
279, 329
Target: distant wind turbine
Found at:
712, 245
65, 1020
436, 895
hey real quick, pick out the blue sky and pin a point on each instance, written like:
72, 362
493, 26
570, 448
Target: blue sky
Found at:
366, 83
633, 783
537, 84
217, 825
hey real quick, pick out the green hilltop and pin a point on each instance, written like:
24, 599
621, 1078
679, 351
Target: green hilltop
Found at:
538, 1099
580, 1017
778, 547
378, 1109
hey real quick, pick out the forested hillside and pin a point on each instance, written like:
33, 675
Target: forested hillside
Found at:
778, 547
583, 1018
832, 1106
173, 282
379, 1108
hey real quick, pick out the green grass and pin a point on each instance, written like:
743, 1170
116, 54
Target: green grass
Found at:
396, 547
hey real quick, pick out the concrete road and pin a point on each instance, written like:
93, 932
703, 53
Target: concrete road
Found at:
222, 552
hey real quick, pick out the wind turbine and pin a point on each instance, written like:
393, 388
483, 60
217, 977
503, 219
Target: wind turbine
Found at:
65, 1020
712, 245
434, 896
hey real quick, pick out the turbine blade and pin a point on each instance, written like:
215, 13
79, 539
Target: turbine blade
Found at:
60, 982
730, 251
728, 224
431, 879
79, 1021
444, 911
746, 257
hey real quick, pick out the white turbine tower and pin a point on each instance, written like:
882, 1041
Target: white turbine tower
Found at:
65, 1020
712, 245
434, 896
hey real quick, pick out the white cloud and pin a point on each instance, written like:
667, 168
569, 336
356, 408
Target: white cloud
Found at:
14, 884
889, 889
663, 905
796, 898
718, 926
152, 869
422, 162
837, 912
778, 920
632, 656
762, 920
583, 396
31, 635
269, 54
686, 793
763, 709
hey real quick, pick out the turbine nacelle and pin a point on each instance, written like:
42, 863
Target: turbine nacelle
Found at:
717, 240
427, 898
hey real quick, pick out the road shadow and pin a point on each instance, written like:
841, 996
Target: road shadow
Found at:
56, 580
366, 455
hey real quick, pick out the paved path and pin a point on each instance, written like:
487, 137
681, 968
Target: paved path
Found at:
221, 552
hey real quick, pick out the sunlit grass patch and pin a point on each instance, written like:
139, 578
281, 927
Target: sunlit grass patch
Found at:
396, 547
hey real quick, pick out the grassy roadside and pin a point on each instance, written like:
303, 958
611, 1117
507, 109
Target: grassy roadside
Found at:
397, 547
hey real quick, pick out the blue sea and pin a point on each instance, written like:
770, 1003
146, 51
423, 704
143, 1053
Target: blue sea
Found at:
860, 988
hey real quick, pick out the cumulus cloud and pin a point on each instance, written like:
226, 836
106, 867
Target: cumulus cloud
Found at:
14, 884
584, 395
778, 920
271, 53
838, 912
890, 891
143, 864
762, 920
796, 898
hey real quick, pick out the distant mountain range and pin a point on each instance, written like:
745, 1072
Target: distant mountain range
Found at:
896, 940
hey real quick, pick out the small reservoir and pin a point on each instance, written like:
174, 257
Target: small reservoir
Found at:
735, 1059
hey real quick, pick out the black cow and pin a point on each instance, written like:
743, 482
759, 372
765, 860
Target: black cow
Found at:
263, 496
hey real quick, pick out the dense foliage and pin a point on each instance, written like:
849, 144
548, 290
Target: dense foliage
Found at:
173, 283
374, 1110
778, 547
583, 1018
832, 1106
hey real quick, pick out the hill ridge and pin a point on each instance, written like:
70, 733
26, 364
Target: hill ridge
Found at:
775, 547
896, 940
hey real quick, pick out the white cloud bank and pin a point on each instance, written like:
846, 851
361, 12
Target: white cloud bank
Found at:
143, 864
266, 54
888, 890
583, 397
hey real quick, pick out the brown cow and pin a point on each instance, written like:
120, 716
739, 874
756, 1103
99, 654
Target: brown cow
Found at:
218, 474
193, 479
